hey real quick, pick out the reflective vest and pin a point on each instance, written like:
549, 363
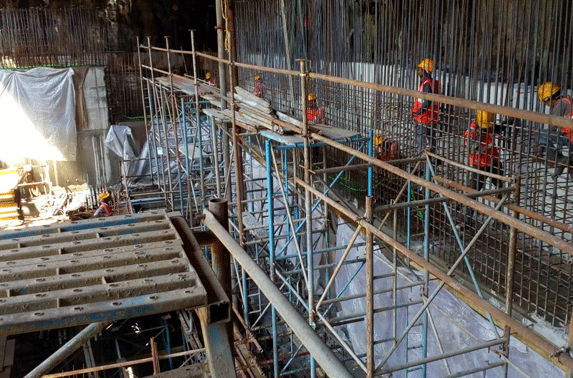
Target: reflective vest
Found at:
315, 115
488, 151
387, 150
569, 102
259, 90
104, 210
431, 114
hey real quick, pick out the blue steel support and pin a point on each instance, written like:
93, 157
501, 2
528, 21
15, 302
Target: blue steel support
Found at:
201, 168
167, 341
271, 210
466, 260
318, 202
152, 147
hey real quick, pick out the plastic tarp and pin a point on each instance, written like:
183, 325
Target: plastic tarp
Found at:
459, 329
120, 140
38, 109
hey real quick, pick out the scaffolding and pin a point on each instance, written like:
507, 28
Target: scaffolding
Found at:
355, 241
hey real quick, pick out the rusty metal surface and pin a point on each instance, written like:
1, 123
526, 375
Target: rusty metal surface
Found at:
94, 270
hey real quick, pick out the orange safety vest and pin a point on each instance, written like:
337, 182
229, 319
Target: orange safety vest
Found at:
488, 151
315, 115
106, 209
431, 114
569, 102
259, 89
387, 150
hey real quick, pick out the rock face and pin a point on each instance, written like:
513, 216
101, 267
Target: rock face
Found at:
157, 19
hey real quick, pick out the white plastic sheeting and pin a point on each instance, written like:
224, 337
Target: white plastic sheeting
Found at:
453, 336
120, 140
38, 115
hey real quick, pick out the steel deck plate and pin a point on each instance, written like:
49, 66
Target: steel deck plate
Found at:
94, 270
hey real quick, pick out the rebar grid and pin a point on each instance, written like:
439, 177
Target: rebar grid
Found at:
362, 107
71, 37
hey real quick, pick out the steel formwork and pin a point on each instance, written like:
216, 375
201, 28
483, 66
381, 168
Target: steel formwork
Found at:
96, 270
289, 186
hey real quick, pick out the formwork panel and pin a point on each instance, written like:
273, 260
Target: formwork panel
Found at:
100, 269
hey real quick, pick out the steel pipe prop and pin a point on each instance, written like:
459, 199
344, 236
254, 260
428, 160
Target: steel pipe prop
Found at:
67, 349
456, 101
528, 213
430, 201
469, 168
462, 199
484, 345
317, 348
541, 345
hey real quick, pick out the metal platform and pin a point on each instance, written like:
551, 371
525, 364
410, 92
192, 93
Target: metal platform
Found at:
100, 269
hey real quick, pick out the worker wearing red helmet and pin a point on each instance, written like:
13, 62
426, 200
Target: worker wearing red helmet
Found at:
553, 139
425, 112
314, 114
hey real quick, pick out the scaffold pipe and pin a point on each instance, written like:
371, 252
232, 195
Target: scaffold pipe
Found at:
318, 349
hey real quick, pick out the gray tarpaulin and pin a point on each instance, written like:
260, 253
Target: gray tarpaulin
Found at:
38, 114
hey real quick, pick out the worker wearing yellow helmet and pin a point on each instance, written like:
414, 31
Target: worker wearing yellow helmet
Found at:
483, 155
259, 89
554, 139
314, 113
104, 209
210, 79
425, 112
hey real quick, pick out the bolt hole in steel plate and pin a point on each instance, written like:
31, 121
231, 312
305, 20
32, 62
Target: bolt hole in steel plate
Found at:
142, 270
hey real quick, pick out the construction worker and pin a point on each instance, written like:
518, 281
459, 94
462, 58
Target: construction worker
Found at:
425, 112
385, 149
210, 79
314, 114
553, 139
483, 153
104, 210
259, 89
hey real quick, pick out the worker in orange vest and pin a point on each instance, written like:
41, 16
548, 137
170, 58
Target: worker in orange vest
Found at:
483, 153
553, 139
104, 210
425, 112
259, 89
314, 114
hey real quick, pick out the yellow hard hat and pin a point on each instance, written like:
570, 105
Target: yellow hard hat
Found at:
258, 77
427, 64
484, 119
546, 90
103, 196
378, 139
311, 97
208, 75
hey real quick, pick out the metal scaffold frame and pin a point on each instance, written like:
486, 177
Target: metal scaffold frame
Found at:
295, 199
